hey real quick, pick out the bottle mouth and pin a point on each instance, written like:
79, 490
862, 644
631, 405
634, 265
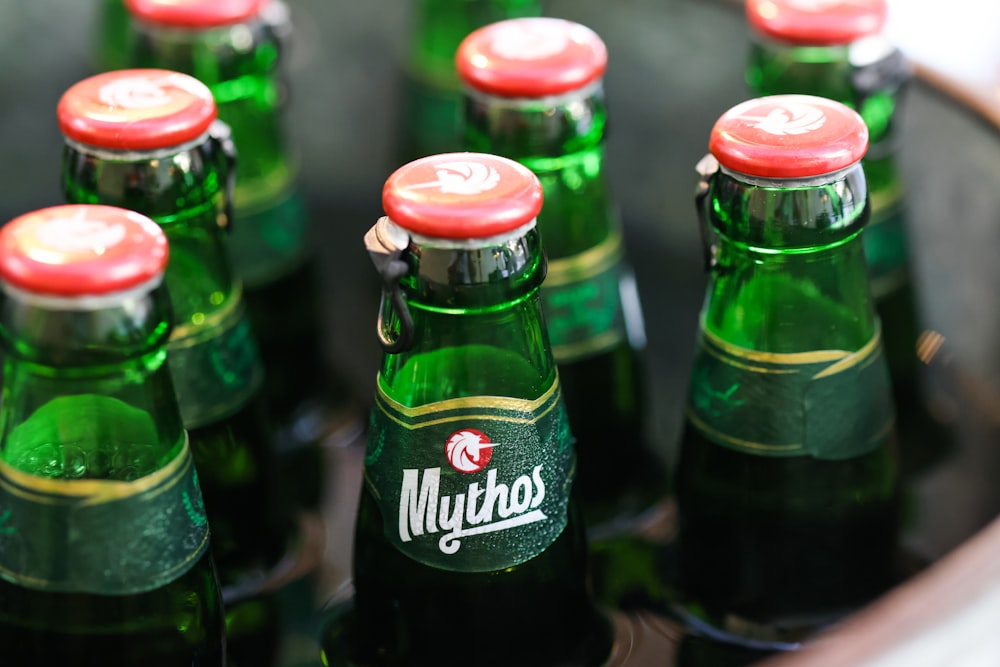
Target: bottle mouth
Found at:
82, 302
426, 241
790, 183
789, 215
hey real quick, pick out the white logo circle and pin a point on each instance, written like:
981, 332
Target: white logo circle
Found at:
134, 93
462, 178
468, 450
790, 118
527, 40
77, 234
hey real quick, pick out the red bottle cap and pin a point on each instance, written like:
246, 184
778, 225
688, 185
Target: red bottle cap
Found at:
788, 136
81, 250
817, 22
531, 57
462, 196
138, 109
197, 14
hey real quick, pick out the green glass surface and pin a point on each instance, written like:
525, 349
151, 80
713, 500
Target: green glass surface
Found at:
592, 330
601, 371
107, 369
430, 119
827, 71
213, 356
111, 35
773, 547
478, 332
270, 240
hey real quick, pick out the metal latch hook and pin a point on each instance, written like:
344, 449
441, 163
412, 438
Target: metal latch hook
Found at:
222, 135
385, 243
706, 168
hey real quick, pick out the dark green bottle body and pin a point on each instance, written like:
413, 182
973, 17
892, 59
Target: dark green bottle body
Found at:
99, 380
270, 245
116, 631
870, 77
787, 477
214, 360
589, 297
111, 40
478, 336
431, 113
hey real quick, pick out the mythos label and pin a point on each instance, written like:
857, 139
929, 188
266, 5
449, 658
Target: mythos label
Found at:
473, 484
827, 404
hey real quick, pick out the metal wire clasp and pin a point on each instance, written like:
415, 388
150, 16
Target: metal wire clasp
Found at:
385, 243
707, 168
221, 134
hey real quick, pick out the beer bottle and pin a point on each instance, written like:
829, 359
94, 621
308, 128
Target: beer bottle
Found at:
836, 49
112, 35
466, 513
235, 48
786, 479
432, 92
148, 140
534, 93
104, 544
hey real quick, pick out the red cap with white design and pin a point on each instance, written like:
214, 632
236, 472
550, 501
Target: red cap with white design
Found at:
817, 22
136, 109
462, 196
788, 136
531, 57
196, 14
81, 250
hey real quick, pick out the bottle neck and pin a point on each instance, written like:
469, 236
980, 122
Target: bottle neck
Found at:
561, 139
441, 25
241, 66
96, 379
223, 55
789, 273
184, 190
476, 321
868, 75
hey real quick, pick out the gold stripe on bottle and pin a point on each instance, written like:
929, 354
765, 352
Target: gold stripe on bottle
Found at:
604, 341
95, 491
738, 442
467, 402
257, 195
586, 264
841, 359
190, 334
885, 203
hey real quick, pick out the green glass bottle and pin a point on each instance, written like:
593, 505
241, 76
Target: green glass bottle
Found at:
148, 140
786, 481
432, 93
104, 543
111, 39
534, 93
836, 49
235, 48
466, 512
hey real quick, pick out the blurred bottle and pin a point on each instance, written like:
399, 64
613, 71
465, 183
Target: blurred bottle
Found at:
111, 39
104, 543
836, 49
432, 93
466, 512
235, 48
149, 140
534, 93
787, 483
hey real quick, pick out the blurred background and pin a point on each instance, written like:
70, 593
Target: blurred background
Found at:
675, 66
